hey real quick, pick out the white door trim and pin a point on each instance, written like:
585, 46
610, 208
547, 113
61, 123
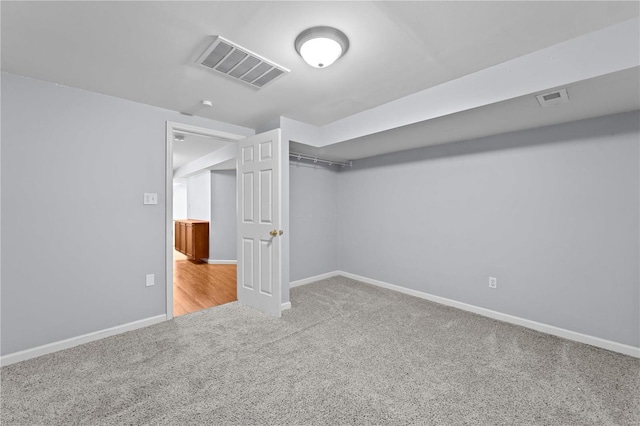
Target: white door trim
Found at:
172, 126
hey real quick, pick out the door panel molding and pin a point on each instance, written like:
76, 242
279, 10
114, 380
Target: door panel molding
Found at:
259, 242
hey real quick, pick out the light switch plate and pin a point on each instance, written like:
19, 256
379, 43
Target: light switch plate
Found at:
151, 280
151, 198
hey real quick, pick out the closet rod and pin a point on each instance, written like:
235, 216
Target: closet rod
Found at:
321, 160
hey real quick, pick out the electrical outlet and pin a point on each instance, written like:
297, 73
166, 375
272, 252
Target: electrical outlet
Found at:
493, 282
151, 280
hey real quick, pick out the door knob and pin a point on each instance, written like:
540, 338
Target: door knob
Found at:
273, 233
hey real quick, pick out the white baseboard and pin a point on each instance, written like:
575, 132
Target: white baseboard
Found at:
545, 328
221, 262
308, 280
549, 329
75, 341
314, 279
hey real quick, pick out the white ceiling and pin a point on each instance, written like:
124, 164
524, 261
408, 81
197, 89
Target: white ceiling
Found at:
608, 94
194, 147
144, 51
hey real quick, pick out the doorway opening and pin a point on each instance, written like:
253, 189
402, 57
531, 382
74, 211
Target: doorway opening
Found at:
201, 218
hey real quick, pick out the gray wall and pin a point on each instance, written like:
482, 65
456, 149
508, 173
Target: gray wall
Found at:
313, 191
180, 198
76, 239
199, 196
223, 239
553, 213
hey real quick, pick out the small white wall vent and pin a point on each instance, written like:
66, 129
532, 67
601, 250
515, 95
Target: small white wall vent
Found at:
553, 98
239, 63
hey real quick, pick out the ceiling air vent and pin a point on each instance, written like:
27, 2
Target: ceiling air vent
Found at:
239, 63
553, 98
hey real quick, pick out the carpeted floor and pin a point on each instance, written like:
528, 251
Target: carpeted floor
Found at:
347, 353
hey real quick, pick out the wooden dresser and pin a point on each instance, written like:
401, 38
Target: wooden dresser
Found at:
192, 238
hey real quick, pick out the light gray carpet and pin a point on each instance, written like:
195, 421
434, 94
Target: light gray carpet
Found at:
347, 353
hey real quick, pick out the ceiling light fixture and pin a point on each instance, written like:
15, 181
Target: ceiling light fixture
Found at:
321, 46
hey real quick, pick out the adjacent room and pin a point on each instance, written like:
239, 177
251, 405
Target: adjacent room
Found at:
319, 213
204, 217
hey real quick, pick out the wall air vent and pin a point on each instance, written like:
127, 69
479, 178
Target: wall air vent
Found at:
553, 98
239, 63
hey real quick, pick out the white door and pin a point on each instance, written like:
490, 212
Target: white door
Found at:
259, 220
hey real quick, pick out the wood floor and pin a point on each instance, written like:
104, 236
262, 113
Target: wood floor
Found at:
198, 285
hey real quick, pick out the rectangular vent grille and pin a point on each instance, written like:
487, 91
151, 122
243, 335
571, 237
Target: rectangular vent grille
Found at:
239, 63
553, 98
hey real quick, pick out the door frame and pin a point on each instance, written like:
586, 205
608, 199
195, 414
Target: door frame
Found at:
171, 127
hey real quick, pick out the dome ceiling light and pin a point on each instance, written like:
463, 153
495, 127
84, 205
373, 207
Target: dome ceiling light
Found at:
321, 46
